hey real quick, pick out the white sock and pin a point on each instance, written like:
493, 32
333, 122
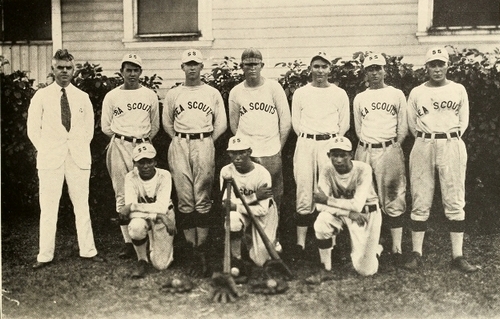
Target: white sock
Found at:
301, 236
142, 251
325, 255
417, 239
397, 235
457, 242
126, 236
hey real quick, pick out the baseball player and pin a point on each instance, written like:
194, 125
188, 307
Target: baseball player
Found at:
346, 197
252, 180
130, 116
320, 111
381, 126
194, 117
259, 111
151, 214
438, 115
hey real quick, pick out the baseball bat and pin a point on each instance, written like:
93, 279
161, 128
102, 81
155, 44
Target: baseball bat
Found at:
227, 226
269, 246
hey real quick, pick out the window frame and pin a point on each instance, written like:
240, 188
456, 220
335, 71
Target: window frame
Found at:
452, 34
132, 40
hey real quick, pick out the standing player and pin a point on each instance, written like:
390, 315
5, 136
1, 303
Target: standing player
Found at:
60, 126
438, 115
251, 178
130, 116
259, 112
194, 117
346, 196
151, 214
381, 126
320, 111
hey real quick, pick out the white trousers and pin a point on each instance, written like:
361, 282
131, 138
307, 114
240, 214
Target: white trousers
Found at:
51, 182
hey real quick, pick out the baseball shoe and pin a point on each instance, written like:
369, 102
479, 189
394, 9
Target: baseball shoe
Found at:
127, 251
40, 264
322, 276
96, 258
414, 261
140, 269
463, 265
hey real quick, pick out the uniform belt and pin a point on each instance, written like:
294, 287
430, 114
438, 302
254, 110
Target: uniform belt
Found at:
132, 139
371, 208
376, 145
318, 137
193, 136
438, 135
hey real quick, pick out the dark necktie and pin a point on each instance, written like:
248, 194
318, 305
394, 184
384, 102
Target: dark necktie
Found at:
65, 111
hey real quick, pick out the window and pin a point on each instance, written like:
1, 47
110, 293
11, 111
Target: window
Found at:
157, 23
26, 20
459, 20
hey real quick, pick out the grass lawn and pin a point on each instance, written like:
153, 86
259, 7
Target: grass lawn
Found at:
74, 288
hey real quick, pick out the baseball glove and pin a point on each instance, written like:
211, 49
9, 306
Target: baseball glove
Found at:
269, 287
176, 285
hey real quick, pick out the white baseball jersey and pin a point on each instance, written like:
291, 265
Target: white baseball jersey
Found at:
442, 109
261, 114
320, 110
132, 113
380, 115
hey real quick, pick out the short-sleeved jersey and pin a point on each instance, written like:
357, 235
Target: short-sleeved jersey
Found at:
380, 115
248, 184
442, 109
264, 115
320, 110
133, 113
193, 109
350, 191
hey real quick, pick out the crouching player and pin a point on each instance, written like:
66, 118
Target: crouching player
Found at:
346, 197
254, 183
148, 205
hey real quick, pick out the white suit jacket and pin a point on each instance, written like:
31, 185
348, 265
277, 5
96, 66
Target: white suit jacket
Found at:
48, 135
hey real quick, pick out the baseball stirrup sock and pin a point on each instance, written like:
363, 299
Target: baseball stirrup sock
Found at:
325, 255
457, 242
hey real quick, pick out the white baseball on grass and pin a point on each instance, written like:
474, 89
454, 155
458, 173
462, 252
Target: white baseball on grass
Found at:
271, 283
235, 272
176, 283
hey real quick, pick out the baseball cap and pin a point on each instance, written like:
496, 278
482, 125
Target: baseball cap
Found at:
341, 143
132, 58
192, 55
323, 56
437, 53
251, 55
374, 59
238, 143
143, 150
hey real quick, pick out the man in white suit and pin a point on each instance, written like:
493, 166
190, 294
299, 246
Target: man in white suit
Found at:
61, 126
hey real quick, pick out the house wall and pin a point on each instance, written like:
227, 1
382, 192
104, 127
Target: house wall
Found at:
283, 30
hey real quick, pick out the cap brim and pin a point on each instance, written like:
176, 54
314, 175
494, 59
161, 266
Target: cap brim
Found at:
193, 60
437, 59
320, 57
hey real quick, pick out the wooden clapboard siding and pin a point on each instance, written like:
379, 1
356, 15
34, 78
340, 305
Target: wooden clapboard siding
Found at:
35, 59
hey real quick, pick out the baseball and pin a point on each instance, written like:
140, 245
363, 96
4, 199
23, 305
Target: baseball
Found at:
271, 283
235, 272
176, 283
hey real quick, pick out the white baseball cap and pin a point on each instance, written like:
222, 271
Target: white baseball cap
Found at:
374, 59
132, 58
192, 55
322, 55
238, 143
437, 53
340, 143
143, 150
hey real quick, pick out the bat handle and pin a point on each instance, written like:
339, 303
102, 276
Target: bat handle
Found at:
227, 239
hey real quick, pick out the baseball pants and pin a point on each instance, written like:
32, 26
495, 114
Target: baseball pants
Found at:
51, 183
449, 158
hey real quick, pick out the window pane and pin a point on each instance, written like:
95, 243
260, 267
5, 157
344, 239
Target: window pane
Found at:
167, 16
466, 12
26, 20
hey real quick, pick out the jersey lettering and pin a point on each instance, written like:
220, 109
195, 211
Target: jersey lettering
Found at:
146, 199
117, 111
389, 108
246, 192
344, 193
261, 106
243, 110
139, 106
422, 111
195, 105
446, 105
178, 111
364, 112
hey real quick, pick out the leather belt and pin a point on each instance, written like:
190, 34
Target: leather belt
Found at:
376, 145
193, 136
438, 135
371, 208
132, 139
318, 137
